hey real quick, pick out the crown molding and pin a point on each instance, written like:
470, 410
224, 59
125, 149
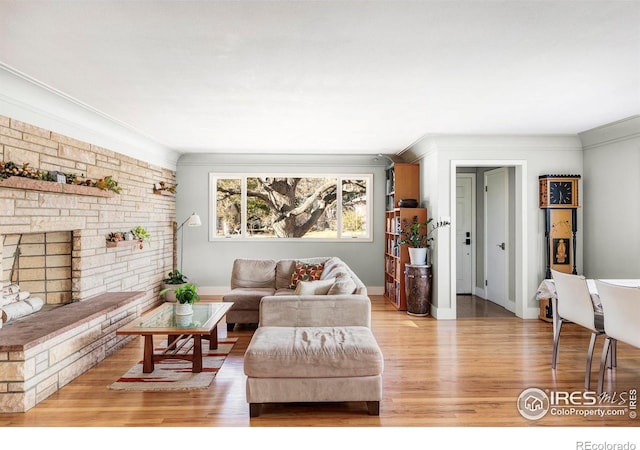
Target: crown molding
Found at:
28, 100
610, 133
432, 143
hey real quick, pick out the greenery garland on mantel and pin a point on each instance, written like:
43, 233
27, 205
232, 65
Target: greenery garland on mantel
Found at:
10, 169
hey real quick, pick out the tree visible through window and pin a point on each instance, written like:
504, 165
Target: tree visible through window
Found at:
321, 207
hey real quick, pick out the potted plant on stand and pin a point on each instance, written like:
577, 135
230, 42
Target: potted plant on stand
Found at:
418, 235
418, 275
174, 280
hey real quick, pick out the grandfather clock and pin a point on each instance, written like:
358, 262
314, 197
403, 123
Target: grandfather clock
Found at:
559, 200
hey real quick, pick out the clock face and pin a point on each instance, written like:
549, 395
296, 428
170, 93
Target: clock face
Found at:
560, 193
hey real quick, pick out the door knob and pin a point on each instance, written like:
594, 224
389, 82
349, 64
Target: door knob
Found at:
502, 246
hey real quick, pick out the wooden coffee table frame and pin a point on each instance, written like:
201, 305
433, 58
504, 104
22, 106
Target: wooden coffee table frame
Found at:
180, 340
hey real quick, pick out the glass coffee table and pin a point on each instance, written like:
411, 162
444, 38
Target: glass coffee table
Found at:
184, 333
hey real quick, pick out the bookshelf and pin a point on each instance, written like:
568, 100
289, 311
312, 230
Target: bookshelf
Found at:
403, 182
395, 256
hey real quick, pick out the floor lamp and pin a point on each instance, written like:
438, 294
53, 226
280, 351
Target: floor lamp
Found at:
192, 221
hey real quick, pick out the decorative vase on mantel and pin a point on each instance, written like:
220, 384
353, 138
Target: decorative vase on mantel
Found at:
418, 255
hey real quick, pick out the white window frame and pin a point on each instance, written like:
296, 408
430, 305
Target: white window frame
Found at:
214, 176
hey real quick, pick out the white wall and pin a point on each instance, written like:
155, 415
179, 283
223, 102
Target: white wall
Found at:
612, 193
208, 263
532, 156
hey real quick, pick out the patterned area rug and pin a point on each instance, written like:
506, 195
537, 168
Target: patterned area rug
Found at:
176, 374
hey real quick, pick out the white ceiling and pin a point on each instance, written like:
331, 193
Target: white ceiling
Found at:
332, 76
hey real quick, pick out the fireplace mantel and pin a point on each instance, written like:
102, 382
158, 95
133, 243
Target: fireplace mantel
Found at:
51, 186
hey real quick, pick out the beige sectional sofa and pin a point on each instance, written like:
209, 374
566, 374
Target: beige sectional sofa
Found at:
314, 341
254, 279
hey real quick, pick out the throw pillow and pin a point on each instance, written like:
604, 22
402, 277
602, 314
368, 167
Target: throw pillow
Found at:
343, 285
316, 287
305, 272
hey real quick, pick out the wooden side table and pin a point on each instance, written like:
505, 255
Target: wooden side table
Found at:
418, 289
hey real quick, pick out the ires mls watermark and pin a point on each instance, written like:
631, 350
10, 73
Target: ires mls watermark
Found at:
534, 403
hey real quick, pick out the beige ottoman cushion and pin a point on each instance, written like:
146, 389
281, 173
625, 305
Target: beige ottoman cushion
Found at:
313, 352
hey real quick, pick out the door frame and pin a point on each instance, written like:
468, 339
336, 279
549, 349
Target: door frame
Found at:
474, 237
521, 231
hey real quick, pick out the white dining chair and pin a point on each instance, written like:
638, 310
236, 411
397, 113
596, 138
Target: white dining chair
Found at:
574, 304
621, 309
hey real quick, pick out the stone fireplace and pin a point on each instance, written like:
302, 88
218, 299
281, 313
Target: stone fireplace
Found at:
39, 263
53, 244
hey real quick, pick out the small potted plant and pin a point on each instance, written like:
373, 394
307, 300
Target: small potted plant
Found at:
186, 296
141, 235
174, 280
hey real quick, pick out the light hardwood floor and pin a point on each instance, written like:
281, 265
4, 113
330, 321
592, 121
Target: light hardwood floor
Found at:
437, 373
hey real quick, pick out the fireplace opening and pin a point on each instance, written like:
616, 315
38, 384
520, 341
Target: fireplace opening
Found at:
36, 272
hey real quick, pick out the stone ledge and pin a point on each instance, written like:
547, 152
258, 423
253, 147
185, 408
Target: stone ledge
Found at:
52, 186
45, 325
41, 353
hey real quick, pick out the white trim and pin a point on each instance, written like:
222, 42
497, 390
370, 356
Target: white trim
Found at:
608, 134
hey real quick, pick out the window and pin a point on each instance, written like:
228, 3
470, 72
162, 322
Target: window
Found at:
282, 207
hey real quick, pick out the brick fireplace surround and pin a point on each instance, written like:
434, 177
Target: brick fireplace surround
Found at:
42, 352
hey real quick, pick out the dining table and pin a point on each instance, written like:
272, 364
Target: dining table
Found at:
547, 290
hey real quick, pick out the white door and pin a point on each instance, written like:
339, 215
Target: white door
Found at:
496, 235
464, 232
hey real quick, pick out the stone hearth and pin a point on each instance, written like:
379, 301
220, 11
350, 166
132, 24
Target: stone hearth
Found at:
41, 353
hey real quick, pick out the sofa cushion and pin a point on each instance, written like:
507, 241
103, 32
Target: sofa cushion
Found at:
342, 285
284, 291
253, 273
246, 298
335, 268
284, 270
305, 272
317, 287
298, 352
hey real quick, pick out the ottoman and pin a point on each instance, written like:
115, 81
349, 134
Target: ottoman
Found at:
313, 364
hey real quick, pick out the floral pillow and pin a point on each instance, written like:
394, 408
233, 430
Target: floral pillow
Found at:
305, 272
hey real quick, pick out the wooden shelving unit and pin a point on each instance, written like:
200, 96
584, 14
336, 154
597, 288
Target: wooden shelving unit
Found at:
403, 182
396, 256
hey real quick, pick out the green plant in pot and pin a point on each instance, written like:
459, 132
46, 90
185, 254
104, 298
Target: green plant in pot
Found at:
186, 296
418, 235
174, 280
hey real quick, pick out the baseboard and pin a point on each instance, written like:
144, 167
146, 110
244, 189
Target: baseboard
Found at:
480, 292
375, 290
